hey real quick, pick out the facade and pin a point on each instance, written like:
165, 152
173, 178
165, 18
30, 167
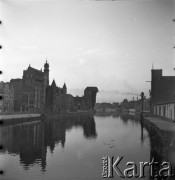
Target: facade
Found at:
70, 102
163, 94
78, 103
56, 98
90, 97
17, 86
86, 102
165, 110
33, 93
7, 93
30, 91
34, 88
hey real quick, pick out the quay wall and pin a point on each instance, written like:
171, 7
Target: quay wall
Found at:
12, 119
162, 137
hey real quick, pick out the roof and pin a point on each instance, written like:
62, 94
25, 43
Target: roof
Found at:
33, 69
64, 86
53, 83
91, 89
162, 103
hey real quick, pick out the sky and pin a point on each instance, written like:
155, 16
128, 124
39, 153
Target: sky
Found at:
109, 44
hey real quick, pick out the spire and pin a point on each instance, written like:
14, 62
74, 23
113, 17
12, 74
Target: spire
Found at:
64, 89
152, 65
53, 83
64, 86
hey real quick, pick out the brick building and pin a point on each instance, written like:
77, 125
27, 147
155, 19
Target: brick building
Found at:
30, 91
56, 98
86, 102
33, 93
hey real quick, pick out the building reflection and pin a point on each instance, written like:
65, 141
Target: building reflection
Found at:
126, 117
32, 140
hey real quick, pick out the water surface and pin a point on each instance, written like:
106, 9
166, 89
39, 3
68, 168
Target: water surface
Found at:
72, 147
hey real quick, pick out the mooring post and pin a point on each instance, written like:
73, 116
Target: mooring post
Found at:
142, 99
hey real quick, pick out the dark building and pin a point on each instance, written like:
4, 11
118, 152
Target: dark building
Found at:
90, 97
162, 87
30, 91
163, 94
86, 102
17, 86
78, 103
56, 98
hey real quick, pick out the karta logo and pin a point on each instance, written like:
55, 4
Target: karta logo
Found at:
137, 170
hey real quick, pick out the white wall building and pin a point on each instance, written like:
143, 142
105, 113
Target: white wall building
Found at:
165, 110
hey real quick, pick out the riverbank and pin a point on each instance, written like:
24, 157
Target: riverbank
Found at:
11, 119
64, 114
18, 116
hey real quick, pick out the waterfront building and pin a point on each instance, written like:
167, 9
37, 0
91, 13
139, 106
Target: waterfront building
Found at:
70, 102
56, 98
163, 94
88, 101
33, 93
30, 91
7, 93
17, 86
90, 97
78, 103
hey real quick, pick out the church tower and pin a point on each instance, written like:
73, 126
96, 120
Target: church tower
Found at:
64, 89
46, 74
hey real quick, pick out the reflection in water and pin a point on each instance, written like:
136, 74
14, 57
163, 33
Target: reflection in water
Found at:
37, 146
31, 140
162, 144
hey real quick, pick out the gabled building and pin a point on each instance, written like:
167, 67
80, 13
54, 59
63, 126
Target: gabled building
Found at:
30, 91
33, 93
7, 93
56, 98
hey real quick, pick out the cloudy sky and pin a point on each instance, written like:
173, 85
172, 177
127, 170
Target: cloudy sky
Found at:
108, 44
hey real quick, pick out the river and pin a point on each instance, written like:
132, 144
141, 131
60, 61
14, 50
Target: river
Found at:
73, 147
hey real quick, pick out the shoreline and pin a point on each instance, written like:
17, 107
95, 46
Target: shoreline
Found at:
18, 116
12, 119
